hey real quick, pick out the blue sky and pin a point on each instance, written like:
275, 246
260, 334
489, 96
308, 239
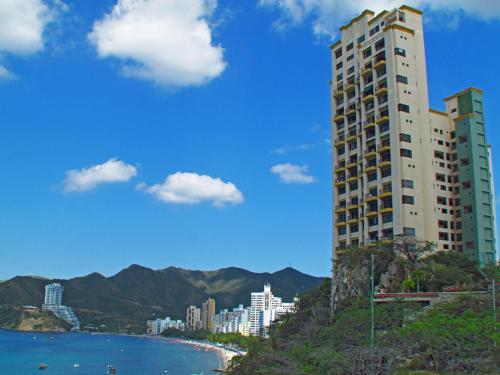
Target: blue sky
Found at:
118, 149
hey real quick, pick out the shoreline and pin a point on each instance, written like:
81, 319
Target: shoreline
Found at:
225, 354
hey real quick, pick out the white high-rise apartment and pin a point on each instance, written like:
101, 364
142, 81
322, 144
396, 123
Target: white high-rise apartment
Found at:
399, 166
53, 294
265, 308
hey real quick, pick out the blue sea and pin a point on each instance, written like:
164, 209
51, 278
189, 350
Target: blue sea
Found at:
21, 353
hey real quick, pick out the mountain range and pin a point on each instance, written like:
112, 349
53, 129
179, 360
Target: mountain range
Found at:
123, 302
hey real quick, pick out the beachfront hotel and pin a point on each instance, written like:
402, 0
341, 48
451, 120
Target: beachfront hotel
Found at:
401, 167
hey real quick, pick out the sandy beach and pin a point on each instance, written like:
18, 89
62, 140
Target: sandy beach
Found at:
225, 354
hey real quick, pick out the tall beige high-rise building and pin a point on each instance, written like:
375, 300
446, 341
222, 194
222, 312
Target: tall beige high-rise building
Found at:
399, 166
207, 312
193, 318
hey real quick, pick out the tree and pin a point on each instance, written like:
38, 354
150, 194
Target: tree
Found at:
408, 284
412, 249
418, 275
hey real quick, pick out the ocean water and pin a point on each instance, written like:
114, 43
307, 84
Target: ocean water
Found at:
21, 353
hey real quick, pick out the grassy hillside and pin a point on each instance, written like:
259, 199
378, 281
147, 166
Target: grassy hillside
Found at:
125, 301
456, 336
17, 318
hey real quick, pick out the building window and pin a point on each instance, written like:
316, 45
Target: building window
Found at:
372, 177
385, 172
402, 79
367, 52
361, 39
442, 200
443, 236
466, 185
403, 108
405, 137
373, 221
462, 138
470, 245
409, 231
408, 184
440, 177
468, 209
338, 53
408, 199
404, 152
339, 65
387, 218
350, 57
349, 47
374, 30
439, 155
400, 52
443, 224
341, 231
464, 161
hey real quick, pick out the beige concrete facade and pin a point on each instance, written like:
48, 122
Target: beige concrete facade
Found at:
394, 159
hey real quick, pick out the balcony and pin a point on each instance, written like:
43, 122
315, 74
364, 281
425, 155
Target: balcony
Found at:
340, 167
351, 111
338, 92
338, 117
352, 220
370, 197
340, 208
370, 152
352, 164
352, 178
379, 63
371, 168
352, 137
368, 98
371, 213
383, 118
369, 123
339, 141
386, 209
381, 90
350, 87
384, 146
340, 181
366, 71
384, 162
385, 192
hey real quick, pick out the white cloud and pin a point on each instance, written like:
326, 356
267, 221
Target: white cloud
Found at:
282, 150
293, 174
191, 188
22, 26
88, 178
168, 42
328, 15
5, 74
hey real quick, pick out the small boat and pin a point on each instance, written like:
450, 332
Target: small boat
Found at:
43, 366
76, 365
111, 369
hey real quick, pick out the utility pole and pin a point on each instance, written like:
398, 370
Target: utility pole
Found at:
372, 302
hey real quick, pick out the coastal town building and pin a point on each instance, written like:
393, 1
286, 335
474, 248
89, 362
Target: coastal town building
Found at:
193, 318
235, 321
53, 303
207, 312
401, 167
53, 294
265, 308
157, 326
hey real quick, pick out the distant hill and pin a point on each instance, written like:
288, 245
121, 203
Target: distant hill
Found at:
125, 301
